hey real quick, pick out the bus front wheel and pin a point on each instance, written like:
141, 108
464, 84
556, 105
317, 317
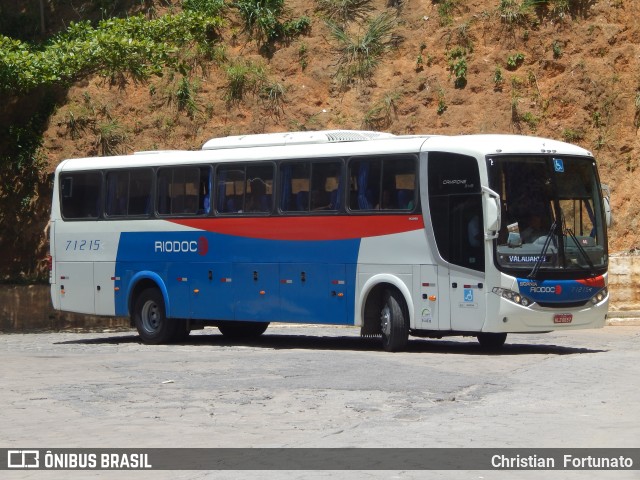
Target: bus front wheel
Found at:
151, 320
394, 322
492, 341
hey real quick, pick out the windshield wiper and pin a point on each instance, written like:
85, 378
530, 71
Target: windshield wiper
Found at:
543, 252
581, 250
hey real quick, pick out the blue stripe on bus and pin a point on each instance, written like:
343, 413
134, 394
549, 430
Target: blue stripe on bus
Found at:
184, 260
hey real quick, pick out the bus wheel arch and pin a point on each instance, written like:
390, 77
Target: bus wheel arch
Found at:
148, 309
386, 313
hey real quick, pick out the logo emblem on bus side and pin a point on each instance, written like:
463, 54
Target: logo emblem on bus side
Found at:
203, 246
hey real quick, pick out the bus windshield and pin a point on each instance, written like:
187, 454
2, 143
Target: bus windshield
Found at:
552, 215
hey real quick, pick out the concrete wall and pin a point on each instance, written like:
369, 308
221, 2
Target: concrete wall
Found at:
624, 283
27, 308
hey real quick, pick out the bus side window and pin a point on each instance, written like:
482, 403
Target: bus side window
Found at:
178, 190
294, 187
310, 186
259, 189
383, 183
81, 195
139, 192
325, 182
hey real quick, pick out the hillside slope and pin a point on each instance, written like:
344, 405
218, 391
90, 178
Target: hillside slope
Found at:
464, 66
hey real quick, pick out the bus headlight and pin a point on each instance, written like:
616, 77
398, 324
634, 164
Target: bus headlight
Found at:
600, 296
512, 296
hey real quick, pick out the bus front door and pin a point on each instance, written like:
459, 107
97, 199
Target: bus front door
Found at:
467, 301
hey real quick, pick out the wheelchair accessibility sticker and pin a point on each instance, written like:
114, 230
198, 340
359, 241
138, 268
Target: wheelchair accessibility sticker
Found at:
558, 165
468, 299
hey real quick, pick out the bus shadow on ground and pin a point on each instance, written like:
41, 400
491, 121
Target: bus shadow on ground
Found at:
275, 341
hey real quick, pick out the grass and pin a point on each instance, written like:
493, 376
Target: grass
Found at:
359, 55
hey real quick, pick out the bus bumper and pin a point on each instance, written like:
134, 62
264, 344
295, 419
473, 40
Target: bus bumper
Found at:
515, 318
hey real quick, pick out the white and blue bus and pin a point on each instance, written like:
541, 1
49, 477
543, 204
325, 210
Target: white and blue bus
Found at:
429, 236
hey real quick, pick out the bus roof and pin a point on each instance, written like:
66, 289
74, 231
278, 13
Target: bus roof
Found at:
295, 145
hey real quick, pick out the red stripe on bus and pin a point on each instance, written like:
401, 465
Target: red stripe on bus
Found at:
307, 228
593, 282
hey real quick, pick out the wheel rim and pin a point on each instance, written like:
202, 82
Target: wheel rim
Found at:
150, 317
385, 320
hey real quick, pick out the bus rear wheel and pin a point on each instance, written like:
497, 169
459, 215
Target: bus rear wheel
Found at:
394, 322
150, 318
492, 341
242, 330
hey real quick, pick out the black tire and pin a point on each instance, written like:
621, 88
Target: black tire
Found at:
394, 322
492, 341
149, 316
242, 330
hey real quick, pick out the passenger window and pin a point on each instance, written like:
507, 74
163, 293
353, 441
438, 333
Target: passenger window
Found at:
244, 189
380, 184
183, 191
310, 186
128, 193
81, 194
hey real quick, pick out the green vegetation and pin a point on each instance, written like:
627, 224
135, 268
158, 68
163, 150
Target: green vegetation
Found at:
262, 20
442, 106
445, 11
136, 46
344, 11
360, 55
303, 56
243, 77
381, 115
111, 138
457, 58
185, 96
498, 78
573, 135
514, 61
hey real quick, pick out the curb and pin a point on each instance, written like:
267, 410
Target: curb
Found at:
625, 318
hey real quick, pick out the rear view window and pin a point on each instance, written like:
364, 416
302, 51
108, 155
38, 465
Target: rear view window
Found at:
80, 195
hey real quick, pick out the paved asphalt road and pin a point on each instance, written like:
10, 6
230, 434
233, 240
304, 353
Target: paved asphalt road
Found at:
309, 386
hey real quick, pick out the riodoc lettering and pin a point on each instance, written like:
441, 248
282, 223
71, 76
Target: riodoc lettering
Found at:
200, 246
557, 289
176, 246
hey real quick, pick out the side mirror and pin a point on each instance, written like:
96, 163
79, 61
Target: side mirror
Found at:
606, 201
491, 213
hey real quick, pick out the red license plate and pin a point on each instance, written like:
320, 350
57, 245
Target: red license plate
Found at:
562, 318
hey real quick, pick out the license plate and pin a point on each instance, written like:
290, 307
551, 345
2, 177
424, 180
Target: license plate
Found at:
562, 318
